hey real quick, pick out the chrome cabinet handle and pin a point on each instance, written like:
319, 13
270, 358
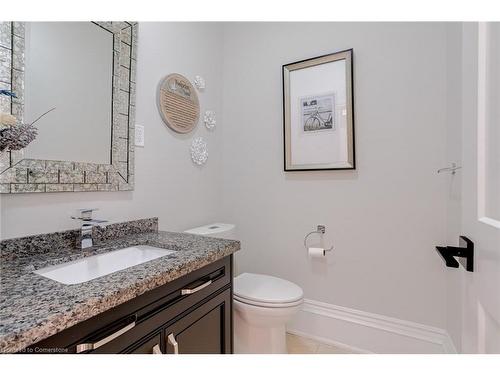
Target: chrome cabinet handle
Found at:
197, 289
94, 345
156, 349
173, 342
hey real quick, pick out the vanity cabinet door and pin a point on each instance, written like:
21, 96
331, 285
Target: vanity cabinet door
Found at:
204, 330
150, 346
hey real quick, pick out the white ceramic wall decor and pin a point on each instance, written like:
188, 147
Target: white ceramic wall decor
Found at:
199, 82
209, 119
199, 151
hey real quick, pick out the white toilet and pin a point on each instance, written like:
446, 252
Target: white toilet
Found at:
262, 307
262, 304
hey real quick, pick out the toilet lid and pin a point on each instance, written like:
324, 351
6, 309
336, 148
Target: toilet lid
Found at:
264, 288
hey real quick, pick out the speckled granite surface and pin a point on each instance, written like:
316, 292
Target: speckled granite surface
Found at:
33, 307
58, 242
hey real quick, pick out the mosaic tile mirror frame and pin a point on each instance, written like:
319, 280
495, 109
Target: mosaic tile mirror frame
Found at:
21, 175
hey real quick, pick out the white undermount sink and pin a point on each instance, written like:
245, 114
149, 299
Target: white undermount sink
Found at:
81, 270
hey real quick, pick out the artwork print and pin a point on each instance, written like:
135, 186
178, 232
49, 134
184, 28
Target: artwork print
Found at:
317, 113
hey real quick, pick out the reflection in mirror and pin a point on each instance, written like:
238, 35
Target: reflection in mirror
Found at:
69, 66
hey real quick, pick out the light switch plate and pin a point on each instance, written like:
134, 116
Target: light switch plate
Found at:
139, 135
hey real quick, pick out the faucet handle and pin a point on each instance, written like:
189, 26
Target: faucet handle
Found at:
85, 214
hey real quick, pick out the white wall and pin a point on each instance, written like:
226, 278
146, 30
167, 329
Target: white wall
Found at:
168, 185
454, 277
386, 217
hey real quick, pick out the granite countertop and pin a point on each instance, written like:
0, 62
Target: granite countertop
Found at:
33, 307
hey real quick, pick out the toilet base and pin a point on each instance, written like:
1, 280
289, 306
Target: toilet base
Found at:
261, 330
250, 339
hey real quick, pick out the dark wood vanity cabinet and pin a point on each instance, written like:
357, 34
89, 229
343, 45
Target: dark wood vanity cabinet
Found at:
190, 315
203, 330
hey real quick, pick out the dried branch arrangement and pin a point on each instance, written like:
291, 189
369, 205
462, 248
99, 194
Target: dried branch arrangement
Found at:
13, 135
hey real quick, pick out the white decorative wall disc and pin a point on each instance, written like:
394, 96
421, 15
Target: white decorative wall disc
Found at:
199, 151
209, 119
199, 82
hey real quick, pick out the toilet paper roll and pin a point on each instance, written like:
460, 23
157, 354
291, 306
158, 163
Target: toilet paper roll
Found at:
316, 252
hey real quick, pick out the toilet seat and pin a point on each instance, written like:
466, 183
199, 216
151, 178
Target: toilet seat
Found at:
269, 305
266, 291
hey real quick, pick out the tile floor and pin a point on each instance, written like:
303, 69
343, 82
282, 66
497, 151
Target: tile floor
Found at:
301, 345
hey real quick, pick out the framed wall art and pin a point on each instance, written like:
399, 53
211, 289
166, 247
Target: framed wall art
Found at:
178, 103
318, 113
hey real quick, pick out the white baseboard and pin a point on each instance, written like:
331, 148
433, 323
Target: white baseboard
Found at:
364, 332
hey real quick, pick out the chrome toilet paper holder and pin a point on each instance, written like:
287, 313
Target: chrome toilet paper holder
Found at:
321, 229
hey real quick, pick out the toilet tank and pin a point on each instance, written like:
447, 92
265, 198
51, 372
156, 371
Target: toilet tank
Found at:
219, 230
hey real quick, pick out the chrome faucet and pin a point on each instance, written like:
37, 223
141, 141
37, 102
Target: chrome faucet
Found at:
88, 223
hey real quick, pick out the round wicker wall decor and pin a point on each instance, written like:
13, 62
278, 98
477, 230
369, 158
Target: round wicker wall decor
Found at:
178, 103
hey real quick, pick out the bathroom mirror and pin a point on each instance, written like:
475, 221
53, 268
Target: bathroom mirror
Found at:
84, 74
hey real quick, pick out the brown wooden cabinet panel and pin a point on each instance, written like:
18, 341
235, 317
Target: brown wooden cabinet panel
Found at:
151, 346
204, 330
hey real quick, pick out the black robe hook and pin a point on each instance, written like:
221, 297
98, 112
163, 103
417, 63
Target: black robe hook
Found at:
465, 252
